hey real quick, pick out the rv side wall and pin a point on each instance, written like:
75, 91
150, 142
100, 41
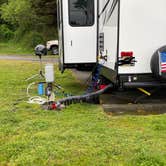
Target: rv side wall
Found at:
142, 31
109, 26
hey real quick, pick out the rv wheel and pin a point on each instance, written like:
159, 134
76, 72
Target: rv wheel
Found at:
54, 50
157, 63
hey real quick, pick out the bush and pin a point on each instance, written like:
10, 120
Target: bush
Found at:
5, 33
31, 39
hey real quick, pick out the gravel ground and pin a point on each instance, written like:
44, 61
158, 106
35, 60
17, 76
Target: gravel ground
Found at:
82, 76
28, 58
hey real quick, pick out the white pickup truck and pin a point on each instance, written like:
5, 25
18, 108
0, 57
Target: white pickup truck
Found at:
52, 46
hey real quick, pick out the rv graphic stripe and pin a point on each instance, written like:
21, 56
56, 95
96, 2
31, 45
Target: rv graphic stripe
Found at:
163, 62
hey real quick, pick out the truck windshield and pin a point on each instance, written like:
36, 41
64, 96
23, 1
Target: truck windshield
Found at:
81, 12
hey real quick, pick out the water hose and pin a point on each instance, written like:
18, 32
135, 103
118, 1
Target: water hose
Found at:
84, 98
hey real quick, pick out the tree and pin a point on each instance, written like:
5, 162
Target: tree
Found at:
30, 17
19, 13
1, 3
46, 10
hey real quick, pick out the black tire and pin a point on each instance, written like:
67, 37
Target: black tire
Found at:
155, 64
54, 50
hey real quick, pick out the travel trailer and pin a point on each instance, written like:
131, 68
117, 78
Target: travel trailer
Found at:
126, 38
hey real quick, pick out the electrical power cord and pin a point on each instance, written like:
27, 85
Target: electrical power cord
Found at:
128, 60
35, 99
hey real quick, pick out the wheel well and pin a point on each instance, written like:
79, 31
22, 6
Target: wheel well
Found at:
54, 46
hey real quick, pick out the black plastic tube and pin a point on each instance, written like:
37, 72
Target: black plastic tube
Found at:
84, 98
143, 84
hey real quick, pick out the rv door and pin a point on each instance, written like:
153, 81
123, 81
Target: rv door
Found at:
80, 31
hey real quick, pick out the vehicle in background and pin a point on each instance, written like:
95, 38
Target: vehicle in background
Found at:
52, 46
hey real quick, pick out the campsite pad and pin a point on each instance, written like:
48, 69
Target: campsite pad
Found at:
130, 101
134, 102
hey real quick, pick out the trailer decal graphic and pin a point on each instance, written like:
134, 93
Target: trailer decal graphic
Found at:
163, 62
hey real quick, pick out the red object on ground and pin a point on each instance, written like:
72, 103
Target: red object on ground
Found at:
54, 107
102, 87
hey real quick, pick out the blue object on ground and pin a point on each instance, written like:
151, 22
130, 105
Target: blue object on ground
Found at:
40, 89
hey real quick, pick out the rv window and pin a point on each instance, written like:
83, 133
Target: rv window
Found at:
81, 12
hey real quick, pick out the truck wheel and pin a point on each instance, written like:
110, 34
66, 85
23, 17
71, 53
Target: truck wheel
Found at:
54, 50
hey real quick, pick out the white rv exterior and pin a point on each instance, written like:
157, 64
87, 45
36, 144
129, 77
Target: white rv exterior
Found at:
134, 27
123, 36
78, 32
142, 30
109, 28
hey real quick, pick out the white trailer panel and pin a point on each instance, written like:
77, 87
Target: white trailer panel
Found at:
142, 30
109, 27
79, 41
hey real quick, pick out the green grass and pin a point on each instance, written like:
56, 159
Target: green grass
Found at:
81, 134
12, 48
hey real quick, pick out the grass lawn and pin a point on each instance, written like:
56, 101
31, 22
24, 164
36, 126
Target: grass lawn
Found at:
11, 48
82, 134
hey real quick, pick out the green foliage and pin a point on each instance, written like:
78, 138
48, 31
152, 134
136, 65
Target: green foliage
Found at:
46, 11
29, 21
13, 48
5, 33
31, 39
3, 1
19, 13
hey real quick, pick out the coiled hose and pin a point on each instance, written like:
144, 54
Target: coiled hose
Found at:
84, 98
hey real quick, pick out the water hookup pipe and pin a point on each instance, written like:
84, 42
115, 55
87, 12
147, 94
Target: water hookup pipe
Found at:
86, 98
